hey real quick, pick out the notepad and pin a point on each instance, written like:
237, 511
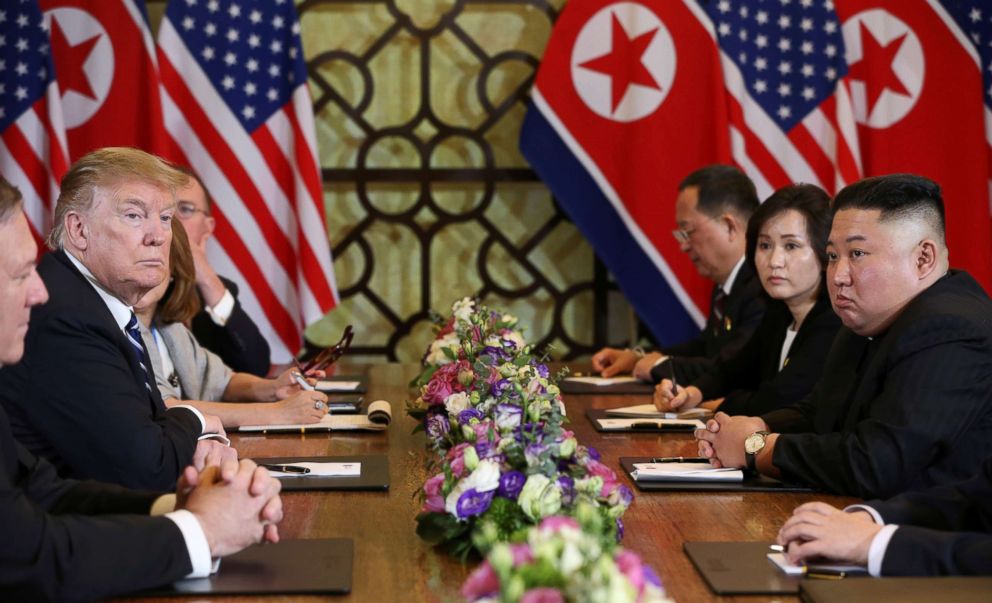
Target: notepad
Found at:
603, 380
649, 411
830, 569
378, 418
324, 470
685, 472
338, 386
628, 424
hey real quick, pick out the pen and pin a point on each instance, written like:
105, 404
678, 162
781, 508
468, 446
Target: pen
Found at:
302, 382
287, 468
680, 459
671, 367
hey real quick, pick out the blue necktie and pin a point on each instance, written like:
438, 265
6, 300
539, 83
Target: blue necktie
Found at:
134, 338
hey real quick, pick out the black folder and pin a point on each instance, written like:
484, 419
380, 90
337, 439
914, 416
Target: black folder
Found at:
649, 425
904, 590
361, 389
569, 386
312, 567
753, 482
375, 473
740, 568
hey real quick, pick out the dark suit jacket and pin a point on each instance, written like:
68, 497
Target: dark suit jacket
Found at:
750, 379
62, 542
720, 339
943, 530
239, 343
78, 397
908, 410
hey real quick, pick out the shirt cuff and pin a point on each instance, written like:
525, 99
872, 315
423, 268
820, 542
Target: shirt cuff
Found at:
869, 510
199, 415
660, 360
221, 311
876, 552
163, 504
196, 543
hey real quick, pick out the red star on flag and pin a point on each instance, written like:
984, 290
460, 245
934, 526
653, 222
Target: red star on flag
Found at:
624, 63
71, 60
875, 67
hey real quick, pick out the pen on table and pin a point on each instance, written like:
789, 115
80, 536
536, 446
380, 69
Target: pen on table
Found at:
302, 382
287, 468
680, 459
827, 573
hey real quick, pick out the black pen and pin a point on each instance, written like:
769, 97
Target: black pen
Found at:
675, 385
680, 459
287, 468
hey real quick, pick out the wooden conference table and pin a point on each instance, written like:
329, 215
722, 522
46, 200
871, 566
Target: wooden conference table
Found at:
391, 562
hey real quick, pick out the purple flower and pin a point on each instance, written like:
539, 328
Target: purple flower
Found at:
593, 453
508, 416
533, 453
650, 577
484, 448
466, 416
542, 370
500, 387
472, 503
567, 485
510, 484
619, 529
436, 423
626, 496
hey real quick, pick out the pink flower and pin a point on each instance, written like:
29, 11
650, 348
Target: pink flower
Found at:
433, 486
630, 565
483, 582
542, 595
436, 390
596, 468
448, 327
521, 554
433, 504
556, 522
456, 456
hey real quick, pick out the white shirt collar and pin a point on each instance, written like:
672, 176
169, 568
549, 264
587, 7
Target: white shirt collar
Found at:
121, 311
729, 283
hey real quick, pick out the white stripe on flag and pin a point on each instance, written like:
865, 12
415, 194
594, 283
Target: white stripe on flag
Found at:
848, 127
37, 214
744, 162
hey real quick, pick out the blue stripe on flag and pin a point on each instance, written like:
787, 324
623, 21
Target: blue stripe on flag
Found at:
579, 196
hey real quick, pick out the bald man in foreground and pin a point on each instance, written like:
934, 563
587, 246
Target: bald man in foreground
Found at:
905, 400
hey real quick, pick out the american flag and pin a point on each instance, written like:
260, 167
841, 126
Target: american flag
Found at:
235, 99
33, 153
791, 118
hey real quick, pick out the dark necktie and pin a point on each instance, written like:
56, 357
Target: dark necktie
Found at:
718, 306
134, 338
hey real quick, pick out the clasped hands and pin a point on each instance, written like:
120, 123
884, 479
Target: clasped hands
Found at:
722, 440
237, 504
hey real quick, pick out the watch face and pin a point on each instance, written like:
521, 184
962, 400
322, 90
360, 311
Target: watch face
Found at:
754, 443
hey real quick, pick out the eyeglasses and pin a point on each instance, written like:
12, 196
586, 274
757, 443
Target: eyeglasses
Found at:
329, 355
682, 235
188, 210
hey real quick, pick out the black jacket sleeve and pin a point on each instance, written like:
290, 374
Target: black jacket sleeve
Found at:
929, 406
239, 343
60, 555
942, 530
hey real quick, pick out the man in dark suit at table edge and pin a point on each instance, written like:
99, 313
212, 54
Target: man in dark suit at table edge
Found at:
83, 395
946, 530
65, 540
905, 400
712, 209
222, 325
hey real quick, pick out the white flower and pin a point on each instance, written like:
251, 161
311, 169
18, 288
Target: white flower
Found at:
436, 355
484, 479
457, 402
463, 309
540, 497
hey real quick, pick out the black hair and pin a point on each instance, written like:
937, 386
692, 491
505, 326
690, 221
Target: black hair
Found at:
897, 197
723, 188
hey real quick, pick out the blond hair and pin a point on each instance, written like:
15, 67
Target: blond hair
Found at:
10, 200
106, 169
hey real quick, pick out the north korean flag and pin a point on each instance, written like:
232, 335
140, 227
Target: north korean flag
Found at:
916, 87
629, 100
106, 68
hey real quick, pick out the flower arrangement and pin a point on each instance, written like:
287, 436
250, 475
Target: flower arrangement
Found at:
503, 479
561, 560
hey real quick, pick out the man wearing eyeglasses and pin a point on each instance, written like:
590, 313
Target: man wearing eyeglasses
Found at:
222, 326
712, 209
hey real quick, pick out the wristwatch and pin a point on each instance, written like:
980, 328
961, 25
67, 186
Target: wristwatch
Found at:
753, 444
